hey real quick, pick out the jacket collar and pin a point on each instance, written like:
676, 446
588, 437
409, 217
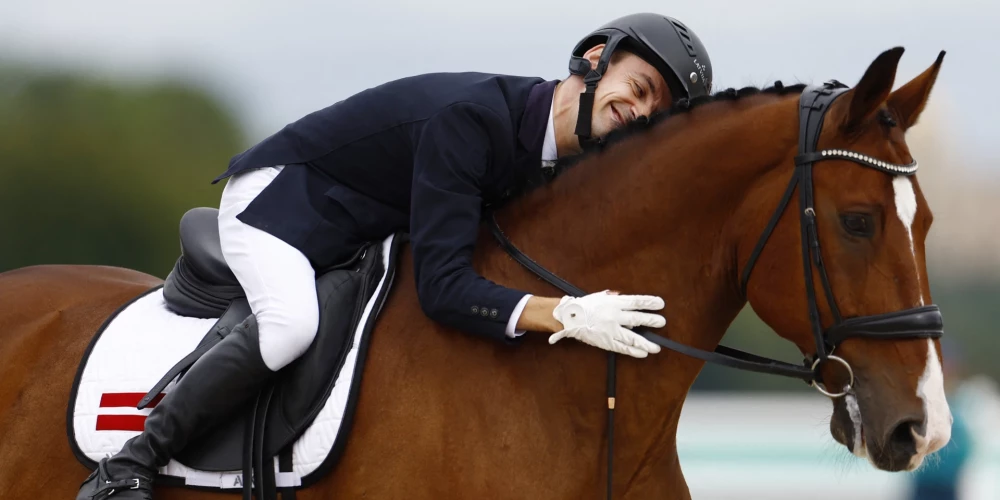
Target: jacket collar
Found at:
531, 133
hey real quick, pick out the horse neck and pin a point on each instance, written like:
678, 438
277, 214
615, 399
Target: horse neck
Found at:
653, 214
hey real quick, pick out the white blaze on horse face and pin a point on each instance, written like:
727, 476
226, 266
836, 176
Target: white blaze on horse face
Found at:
930, 388
906, 209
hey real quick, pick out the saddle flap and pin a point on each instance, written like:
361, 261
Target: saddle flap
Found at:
303, 387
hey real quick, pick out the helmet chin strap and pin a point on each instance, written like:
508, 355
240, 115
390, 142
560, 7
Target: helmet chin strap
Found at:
581, 66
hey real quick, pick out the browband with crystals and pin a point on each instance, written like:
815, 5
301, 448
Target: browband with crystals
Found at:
868, 161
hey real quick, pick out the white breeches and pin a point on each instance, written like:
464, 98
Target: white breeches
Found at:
279, 281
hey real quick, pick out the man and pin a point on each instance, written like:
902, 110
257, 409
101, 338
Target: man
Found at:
420, 154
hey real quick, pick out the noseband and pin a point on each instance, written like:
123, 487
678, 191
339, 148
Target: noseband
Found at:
918, 322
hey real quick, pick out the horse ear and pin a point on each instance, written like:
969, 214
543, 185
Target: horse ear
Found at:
874, 87
908, 101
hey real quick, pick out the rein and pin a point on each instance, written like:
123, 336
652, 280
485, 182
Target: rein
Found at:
919, 322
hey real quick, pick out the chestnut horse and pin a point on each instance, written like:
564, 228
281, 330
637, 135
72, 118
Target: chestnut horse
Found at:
673, 208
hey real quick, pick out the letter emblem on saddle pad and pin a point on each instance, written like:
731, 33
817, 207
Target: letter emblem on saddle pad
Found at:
145, 339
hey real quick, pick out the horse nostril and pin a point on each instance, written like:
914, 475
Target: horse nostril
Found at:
901, 439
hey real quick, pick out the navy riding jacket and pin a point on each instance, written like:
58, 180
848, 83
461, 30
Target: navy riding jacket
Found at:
422, 154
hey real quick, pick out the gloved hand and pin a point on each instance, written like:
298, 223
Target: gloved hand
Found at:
601, 319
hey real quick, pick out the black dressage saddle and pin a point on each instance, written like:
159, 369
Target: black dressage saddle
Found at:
202, 285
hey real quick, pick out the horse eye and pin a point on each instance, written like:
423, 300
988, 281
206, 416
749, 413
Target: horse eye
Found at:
858, 224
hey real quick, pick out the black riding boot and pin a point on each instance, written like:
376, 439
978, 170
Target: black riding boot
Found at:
224, 379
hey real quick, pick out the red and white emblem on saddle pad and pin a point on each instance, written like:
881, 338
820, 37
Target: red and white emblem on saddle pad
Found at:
123, 422
139, 345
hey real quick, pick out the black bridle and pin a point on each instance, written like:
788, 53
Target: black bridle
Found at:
917, 322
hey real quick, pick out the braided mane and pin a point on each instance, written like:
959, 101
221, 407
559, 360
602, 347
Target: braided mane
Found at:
681, 106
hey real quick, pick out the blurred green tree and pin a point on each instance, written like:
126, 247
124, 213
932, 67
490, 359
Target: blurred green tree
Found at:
98, 172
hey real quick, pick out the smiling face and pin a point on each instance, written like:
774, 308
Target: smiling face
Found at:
630, 88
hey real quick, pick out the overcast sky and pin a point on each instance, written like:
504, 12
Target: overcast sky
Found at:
276, 61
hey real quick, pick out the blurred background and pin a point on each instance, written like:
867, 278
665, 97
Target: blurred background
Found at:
114, 117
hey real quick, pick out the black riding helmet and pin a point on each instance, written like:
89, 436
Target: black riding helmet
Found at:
664, 42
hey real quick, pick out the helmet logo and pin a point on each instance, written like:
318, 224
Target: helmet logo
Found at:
701, 71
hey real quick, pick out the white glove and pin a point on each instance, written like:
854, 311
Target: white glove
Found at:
601, 320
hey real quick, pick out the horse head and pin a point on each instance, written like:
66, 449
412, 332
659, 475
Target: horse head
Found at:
870, 221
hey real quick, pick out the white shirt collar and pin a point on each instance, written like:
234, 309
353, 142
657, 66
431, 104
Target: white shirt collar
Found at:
549, 151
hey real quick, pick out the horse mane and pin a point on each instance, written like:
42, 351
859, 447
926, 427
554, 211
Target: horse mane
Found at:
681, 106
643, 126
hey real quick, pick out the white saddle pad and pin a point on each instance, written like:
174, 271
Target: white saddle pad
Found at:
140, 343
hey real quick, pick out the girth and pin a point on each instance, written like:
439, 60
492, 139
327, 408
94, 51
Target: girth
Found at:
918, 322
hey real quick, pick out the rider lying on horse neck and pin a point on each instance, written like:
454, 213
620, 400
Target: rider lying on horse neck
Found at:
423, 155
